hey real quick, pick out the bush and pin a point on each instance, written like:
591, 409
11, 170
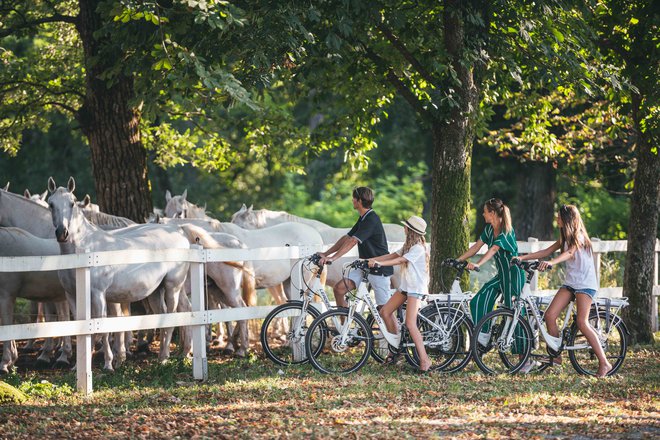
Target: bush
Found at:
11, 395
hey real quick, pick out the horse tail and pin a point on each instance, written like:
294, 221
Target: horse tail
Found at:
249, 288
197, 235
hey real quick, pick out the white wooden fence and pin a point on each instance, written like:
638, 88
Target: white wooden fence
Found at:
84, 327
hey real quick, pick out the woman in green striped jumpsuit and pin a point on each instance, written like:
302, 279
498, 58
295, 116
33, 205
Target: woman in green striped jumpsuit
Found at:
501, 240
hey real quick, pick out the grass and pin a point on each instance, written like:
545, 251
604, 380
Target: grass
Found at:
252, 398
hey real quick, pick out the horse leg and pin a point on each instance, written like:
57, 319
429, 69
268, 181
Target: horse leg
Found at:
100, 310
233, 299
62, 308
36, 313
118, 338
7, 318
128, 336
144, 337
185, 332
277, 293
47, 351
171, 300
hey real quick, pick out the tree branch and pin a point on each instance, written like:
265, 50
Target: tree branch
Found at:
405, 92
401, 48
56, 18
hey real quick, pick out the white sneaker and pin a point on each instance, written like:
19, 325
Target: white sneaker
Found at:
529, 366
483, 338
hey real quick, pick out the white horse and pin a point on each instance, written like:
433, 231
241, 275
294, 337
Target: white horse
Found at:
249, 218
19, 212
40, 286
180, 207
118, 283
39, 198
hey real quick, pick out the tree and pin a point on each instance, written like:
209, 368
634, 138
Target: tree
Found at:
128, 70
628, 37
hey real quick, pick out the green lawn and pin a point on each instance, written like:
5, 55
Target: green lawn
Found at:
252, 398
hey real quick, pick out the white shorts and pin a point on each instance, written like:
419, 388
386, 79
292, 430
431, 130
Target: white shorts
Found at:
380, 284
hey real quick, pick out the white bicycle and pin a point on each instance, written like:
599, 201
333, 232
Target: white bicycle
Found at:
503, 340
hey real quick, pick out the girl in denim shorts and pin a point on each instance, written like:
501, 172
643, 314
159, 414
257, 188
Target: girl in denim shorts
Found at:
413, 287
580, 284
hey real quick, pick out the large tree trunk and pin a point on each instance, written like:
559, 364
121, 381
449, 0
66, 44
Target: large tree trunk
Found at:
638, 277
111, 125
537, 191
452, 140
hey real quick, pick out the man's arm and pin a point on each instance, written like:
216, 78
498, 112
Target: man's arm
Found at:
342, 246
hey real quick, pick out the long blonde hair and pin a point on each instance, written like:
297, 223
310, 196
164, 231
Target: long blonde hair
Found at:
573, 228
498, 207
413, 238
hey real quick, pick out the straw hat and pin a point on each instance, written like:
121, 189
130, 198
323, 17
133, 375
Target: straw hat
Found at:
416, 224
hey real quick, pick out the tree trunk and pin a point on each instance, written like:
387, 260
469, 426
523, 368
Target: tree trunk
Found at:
111, 125
452, 140
537, 191
638, 277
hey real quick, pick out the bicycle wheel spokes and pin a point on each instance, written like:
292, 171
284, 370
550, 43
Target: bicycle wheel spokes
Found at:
615, 345
380, 348
283, 333
330, 352
495, 348
446, 339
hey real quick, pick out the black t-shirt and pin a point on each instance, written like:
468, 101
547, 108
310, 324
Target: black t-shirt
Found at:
372, 241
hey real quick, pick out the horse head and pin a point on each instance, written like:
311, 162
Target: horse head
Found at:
177, 206
247, 218
62, 204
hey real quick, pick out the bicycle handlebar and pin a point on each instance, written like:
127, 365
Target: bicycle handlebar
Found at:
316, 259
456, 264
527, 266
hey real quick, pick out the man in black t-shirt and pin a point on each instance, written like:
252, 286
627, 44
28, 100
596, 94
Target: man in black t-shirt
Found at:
369, 236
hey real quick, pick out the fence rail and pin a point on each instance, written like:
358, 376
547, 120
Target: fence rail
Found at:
84, 326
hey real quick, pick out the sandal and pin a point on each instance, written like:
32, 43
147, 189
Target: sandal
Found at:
392, 359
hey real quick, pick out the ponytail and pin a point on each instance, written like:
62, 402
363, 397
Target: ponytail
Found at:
502, 211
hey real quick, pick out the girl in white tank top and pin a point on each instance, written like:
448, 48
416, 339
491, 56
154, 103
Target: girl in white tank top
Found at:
580, 283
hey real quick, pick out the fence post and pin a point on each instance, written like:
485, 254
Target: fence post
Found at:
597, 259
200, 363
84, 312
534, 284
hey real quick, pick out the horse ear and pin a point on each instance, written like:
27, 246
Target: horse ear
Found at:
71, 185
168, 196
86, 201
6, 188
44, 195
27, 194
51, 185
250, 208
185, 194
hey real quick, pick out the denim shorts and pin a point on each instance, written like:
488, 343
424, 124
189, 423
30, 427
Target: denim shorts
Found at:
420, 296
590, 292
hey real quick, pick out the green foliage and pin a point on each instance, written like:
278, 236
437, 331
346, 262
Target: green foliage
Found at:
396, 198
46, 389
605, 215
11, 395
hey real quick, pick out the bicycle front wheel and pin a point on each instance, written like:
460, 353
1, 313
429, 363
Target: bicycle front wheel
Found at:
614, 341
283, 333
498, 350
336, 345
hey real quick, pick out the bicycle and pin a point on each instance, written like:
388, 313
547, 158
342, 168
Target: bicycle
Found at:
340, 340
294, 317
510, 337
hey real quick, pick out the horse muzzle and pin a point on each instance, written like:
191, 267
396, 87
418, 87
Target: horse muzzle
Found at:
62, 234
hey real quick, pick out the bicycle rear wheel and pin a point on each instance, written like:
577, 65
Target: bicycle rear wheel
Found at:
615, 344
446, 333
335, 356
492, 353
283, 333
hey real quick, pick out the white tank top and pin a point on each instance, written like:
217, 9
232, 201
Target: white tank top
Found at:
581, 271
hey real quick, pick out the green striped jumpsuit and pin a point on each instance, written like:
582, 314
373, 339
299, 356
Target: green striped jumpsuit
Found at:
509, 280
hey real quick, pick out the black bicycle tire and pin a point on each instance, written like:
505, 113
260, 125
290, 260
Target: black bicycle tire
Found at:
267, 321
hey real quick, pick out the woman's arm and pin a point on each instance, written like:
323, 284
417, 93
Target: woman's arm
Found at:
398, 259
472, 251
487, 256
540, 254
566, 255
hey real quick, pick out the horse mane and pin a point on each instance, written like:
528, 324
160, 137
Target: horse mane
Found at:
103, 219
